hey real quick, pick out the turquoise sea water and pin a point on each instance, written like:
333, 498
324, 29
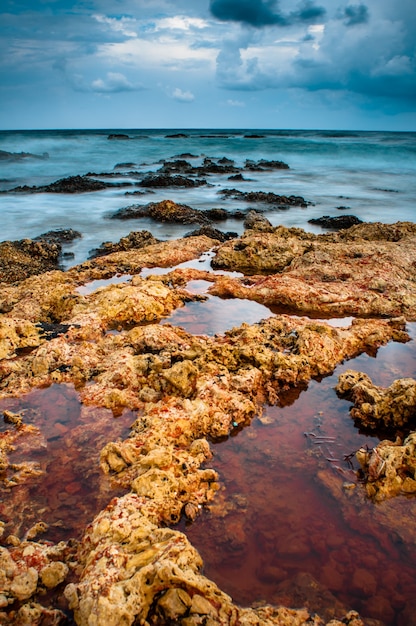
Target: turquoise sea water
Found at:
371, 174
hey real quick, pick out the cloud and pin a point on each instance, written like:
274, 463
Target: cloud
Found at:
355, 14
113, 83
370, 57
123, 25
182, 96
235, 103
259, 13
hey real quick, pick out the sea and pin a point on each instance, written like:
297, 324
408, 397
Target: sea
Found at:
371, 175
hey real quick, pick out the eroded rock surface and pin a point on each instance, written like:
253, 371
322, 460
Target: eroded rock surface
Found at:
20, 259
130, 568
337, 274
392, 408
389, 469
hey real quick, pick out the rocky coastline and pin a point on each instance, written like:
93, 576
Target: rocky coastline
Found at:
130, 565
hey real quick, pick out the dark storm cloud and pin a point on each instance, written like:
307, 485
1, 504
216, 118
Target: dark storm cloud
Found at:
254, 12
308, 13
259, 13
355, 14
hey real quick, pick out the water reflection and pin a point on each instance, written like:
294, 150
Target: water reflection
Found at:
65, 446
276, 523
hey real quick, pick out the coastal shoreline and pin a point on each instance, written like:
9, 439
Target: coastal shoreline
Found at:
184, 391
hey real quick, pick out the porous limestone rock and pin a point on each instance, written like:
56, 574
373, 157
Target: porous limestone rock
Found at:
375, 407
329, 275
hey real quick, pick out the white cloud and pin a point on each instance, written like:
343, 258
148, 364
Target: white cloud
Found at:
182, 96
180, 22
235, 103
113, 83
122, 25
153, 53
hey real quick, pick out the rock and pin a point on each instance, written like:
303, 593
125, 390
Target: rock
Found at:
376, 407
212, 232
20, 259
164, 211
135, 239
264, 197
336, 223
118, 136
53, 574
389, 469
366, 270
165, 180
72, 184
174, 603
59, 236
264, 166
256, 221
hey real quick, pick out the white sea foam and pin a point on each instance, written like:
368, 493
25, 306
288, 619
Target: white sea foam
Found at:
372, 174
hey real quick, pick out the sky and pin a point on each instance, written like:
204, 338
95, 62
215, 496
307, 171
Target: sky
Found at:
290, 64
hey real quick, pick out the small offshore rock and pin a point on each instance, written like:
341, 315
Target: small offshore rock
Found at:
336, 223
60, 235
165, 180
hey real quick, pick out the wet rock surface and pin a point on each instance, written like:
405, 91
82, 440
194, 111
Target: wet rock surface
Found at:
20, 259
164, 211
72, 184
185, 391
167, 180
388, 469
19, 156
333, 274
265, 197
336, 223
135, 239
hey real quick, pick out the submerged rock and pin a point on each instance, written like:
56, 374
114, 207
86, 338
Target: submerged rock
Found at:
19, 156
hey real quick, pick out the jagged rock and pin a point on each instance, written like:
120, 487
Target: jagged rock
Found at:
265, 197
336, 223
212, 232
20, 259
60, 236
165, 180
256, 221
135, 239
391, 408
164, 211
72, 184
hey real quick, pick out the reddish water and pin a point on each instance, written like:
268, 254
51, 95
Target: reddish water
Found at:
275, 524
66, 448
